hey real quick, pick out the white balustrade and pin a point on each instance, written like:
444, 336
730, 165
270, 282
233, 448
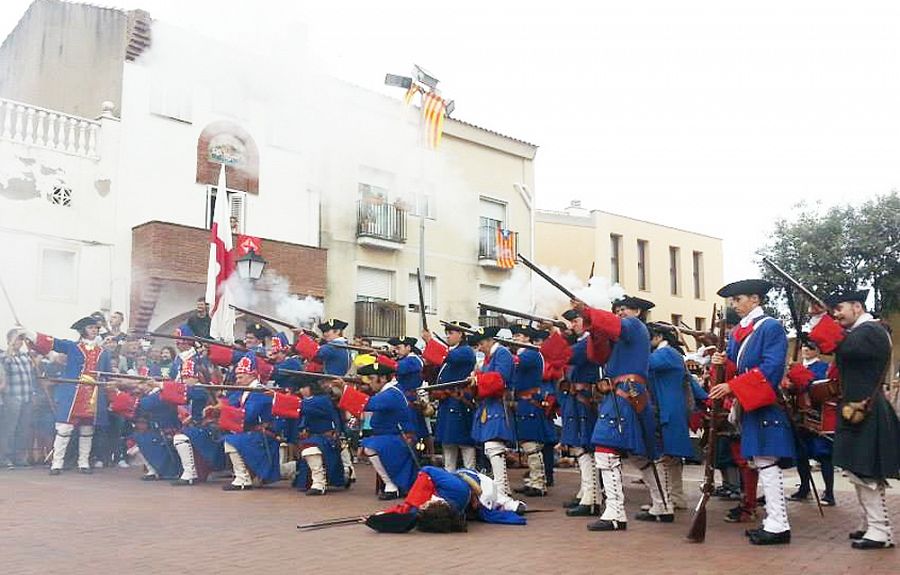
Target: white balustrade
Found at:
35, 126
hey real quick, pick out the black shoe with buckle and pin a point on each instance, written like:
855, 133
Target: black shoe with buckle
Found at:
183, 482
607, 525
828, 500
763, 537
522, 489
857, 534
870, 544
314, 492
533, 492
150, 477
389, 495
571, 503
799, 496
233, 487
647, 516
583, 511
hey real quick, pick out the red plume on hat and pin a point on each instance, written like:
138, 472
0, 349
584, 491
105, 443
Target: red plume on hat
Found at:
245, 366
188, 368
385, 361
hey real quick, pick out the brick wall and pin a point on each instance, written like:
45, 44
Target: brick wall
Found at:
173, 252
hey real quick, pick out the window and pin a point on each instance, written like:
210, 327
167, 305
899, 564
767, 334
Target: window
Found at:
375, 185
643, 283
675, 270
58, 279
700, 323
697, 273
676, 319
374, 284
492, 212
429, 284
61, 196
419, 200
490, 295
615, 251
237, 202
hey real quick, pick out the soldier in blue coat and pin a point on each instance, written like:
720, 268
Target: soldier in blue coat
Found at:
579, 415
409, 378
453, 428
159, 421
334, 360
82, 358
757, 351
626, 424
670, 388
320, 464
530, 427
492, 424
254, 450
199, 440
387, 448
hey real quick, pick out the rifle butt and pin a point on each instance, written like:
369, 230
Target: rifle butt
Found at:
697, 533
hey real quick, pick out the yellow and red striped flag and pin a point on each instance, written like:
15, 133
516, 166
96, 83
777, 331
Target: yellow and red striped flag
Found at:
410, 92
506, 249
433, 111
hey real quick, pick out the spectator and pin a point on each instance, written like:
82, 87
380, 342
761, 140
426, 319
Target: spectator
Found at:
199, 322
18, 382
166, 356
116, 320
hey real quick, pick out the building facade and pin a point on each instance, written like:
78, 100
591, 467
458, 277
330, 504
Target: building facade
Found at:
131, 119
678, 270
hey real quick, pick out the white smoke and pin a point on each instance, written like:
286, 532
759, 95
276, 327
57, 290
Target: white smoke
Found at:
515, 292
290, 307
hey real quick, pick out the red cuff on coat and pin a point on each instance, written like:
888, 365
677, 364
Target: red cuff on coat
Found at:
286, 405
752, 389
435, 352
306, 347
490, 384
800, 377
220, 355
173, 393
43, 343
421, 491
827, 334
353, 401
606, 322
264, 369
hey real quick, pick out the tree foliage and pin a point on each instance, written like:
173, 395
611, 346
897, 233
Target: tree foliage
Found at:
842, 248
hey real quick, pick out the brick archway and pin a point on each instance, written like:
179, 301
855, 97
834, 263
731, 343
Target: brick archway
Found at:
227, 143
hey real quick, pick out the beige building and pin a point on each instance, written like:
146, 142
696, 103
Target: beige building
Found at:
372, 216
677, 269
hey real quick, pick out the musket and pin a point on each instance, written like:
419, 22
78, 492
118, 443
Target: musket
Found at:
421, 299
203, 340
79, 381
697, 533
797, 285
328, 523
549, 279
446, 385
502, 340
359, 348
558, 323
275, 320
114, 375
317, 375
590, 275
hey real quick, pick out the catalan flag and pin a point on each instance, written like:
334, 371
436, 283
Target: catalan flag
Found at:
434, 109
506, 249
413, 89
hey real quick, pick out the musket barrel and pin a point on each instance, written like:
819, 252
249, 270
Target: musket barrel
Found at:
547, 277
789, 279
522, 314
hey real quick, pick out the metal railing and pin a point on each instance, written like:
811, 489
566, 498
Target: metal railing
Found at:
379, 319
493, 321
487, 240
380, 220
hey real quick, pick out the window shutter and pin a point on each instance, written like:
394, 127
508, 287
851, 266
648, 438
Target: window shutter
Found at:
237, 202
374, 284
489, 294
493, 210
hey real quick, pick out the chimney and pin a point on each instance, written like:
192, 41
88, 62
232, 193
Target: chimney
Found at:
575, 209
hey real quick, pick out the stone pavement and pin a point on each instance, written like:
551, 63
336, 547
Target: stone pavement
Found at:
111, 522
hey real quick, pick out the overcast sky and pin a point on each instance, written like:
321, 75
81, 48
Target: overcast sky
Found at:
712, 116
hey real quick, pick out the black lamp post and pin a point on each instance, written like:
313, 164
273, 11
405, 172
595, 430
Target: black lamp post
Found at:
250, 266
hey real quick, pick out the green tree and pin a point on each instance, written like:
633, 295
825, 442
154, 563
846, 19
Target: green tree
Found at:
841, 248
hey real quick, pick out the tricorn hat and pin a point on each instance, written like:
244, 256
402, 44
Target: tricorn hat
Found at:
857, 295
758, 287
84, 322
570, 315
457, 326
259, 330
375, 368
410, 341
332, 323
632, 302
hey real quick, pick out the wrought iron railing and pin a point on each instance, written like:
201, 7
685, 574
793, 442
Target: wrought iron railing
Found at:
379, 319
487, 240
380, 220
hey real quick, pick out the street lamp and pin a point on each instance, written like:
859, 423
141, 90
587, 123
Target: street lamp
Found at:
250, 266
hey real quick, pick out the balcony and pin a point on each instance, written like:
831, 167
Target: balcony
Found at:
493, 321
497, 248
33, 126
380, 225
379, 319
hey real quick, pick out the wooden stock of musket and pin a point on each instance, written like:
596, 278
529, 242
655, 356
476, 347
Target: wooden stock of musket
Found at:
549, 279
270, 319
359, 348
203, 340
114, 375
789, 279
697, 533
502, 340
555, 322
317, 375
80, 381
446, 385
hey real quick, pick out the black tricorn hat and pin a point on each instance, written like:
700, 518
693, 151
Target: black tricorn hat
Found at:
632, 302
857, 295
259, 330
758, 287
570, 315
392, 522
410, 341
522, 328
332, 324
540, 334
457, 326
483, 333
375, 369
84, 322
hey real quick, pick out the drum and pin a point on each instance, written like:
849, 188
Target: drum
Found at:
824, 390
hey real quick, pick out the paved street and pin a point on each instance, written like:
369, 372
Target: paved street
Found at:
112, 523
